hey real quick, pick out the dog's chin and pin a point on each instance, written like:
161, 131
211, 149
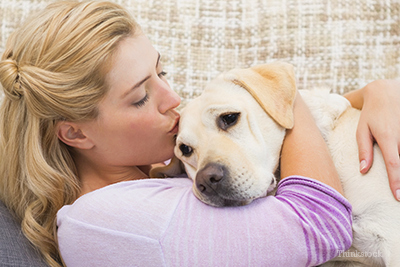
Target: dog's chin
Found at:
223, 202
218, 201
228, 198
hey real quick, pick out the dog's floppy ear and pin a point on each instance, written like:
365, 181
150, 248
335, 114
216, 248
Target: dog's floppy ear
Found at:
174, 168
273, 86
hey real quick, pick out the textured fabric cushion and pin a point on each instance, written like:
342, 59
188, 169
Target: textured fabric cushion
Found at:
15, 249
342, 44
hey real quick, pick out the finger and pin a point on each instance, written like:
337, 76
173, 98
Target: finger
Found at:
392, 160
394, 182
365, 143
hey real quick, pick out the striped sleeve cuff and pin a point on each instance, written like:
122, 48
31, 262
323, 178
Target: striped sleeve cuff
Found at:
325, 216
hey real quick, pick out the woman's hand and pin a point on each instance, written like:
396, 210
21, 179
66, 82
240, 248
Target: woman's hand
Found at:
380, 122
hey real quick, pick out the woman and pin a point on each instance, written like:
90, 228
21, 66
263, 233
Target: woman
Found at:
91, 111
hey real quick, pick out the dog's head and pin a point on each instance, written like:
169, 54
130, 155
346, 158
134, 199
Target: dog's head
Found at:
230, 137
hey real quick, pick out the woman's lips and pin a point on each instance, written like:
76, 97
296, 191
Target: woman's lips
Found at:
175, 128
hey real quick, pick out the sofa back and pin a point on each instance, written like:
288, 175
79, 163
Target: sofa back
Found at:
342, 44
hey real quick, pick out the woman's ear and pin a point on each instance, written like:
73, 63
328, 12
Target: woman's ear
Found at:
71, 134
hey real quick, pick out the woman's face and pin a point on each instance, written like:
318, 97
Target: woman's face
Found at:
137, 121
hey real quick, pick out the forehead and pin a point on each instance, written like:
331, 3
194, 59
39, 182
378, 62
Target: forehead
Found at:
220, 97
133, 53
135, 59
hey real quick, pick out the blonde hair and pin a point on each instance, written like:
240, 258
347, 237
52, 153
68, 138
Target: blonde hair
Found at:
53, 69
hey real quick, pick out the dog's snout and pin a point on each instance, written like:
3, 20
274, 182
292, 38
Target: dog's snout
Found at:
209, 178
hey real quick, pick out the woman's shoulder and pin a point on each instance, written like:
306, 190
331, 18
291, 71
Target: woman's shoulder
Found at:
138, 203
133, 191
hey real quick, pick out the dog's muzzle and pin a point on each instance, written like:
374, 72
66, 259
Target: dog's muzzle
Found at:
212, 183
210, 178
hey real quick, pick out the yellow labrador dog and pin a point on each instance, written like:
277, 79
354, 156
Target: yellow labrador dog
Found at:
230, 139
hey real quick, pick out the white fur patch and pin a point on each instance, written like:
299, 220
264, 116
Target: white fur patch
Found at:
325, 107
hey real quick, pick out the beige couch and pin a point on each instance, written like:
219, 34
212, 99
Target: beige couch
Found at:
342, 44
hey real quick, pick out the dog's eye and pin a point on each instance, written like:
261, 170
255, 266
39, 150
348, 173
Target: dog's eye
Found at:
186, 150
227, 120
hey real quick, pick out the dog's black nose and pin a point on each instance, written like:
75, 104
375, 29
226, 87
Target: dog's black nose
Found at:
209, 178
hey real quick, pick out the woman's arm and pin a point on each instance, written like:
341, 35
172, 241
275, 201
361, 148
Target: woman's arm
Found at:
380, 122
159, 222
305, 152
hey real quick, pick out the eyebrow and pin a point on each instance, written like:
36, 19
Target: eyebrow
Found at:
138, 84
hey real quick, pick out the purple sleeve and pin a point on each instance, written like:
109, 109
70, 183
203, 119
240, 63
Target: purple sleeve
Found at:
159, 222
324, 214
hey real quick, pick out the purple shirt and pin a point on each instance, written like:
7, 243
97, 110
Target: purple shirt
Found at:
159, 222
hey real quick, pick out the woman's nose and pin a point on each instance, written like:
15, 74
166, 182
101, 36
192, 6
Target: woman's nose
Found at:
169, 99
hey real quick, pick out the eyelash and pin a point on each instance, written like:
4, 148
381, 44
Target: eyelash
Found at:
142, 102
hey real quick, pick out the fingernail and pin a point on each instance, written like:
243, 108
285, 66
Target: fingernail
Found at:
363, 165
398, 194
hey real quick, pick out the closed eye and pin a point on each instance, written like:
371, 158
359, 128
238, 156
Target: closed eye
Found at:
145, 99
142, 102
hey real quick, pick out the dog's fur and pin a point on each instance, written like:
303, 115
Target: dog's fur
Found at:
230, 139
